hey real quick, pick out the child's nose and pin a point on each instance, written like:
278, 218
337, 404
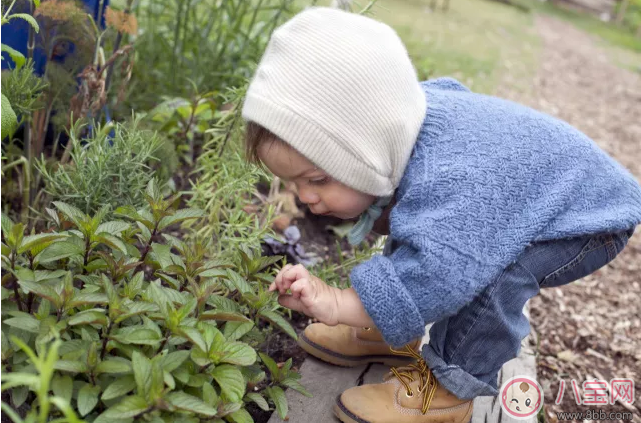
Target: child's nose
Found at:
308, 196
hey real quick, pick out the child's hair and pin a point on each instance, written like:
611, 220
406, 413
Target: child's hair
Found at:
255, 134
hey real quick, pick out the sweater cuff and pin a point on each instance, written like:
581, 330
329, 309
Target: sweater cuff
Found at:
387, 301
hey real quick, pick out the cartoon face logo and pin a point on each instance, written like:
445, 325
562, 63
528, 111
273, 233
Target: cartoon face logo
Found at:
521, 397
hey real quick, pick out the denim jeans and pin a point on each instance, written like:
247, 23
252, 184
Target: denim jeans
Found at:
466, 351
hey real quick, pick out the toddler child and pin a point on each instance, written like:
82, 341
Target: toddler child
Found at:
484, 202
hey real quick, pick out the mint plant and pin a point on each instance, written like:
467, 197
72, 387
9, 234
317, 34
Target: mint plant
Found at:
119, 320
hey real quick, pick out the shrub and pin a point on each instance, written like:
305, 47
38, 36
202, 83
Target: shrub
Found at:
104, 169
121, 320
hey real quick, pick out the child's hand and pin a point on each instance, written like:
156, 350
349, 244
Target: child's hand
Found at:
310, 295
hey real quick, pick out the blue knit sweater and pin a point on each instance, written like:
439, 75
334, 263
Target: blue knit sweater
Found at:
486, 178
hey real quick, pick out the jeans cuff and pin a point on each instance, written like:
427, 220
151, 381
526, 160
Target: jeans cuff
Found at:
456, 380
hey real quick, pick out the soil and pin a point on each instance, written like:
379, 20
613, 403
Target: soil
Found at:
590, 329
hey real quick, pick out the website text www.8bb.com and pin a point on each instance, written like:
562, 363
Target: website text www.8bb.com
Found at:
594, 414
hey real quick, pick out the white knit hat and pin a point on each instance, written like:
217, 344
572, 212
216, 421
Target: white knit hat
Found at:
340, 89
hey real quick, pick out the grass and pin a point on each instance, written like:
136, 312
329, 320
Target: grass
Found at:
475, 41
614, 35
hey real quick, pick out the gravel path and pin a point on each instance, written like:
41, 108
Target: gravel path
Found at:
591, 328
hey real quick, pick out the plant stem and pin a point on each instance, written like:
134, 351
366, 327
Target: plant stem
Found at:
147, 248
164, 341
15, 281
9, 10
87, 250
104, 341
228, 134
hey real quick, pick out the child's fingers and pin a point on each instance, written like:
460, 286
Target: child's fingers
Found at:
291, 303
302, 288
292, 275
279, 277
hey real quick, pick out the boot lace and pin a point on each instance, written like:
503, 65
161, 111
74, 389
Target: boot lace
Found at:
427, 382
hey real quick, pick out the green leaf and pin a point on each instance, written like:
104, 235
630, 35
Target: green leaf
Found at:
180, 216
71, 212
113, 366
71, 366
9, 118
239, 282
27, 18
142, 372
128, 407
114, 227
228, 408
267, 261
136, 308
63, 405
142, 336
5, 250
240, 416
42, 290
280, 401
279, 321
223, 315
223, 303
169, 380
271, 365
73, 346
157, 380
119, 387
163, 254
85, 298
32, 241
62, 386
131, 213
87, 398
7, 223
19, 379
258, 400
296, 386
209, 394
194, 336
89, 317
8, 411
231, 382
19, 60
253, 374
27, 323
238, 353
58, 251
188, 402
236, 330
173, 360
113, 242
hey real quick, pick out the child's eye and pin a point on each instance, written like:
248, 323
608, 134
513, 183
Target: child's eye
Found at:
320, 181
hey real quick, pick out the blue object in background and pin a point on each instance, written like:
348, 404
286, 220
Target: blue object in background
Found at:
16, 34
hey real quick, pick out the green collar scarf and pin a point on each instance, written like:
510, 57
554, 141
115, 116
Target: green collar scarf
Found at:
366, 222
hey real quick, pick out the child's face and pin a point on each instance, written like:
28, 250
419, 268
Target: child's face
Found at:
317, 189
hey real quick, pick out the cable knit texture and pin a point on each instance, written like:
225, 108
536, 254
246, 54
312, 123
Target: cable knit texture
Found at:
341, 89
486, 178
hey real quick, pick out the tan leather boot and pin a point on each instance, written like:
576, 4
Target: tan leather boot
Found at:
348, 346
408, 395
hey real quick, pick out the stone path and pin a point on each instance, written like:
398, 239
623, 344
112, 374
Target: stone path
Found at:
326, 382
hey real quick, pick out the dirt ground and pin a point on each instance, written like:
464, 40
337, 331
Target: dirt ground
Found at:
590, 329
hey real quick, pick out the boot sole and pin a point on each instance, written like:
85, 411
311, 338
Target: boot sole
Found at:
345, 416
337, 359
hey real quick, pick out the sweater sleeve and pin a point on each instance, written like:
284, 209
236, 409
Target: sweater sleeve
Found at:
420, 282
